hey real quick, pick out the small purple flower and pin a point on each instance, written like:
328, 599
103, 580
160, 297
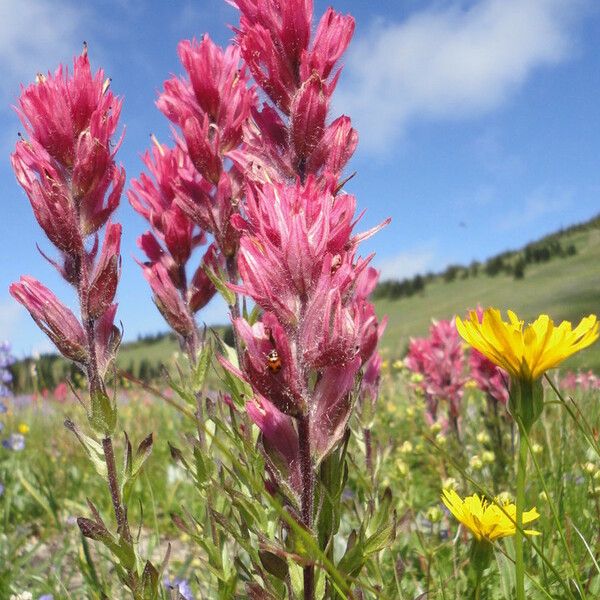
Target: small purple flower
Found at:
6, 359
181, 585
16, 442
3, 407
1, 490
46, 597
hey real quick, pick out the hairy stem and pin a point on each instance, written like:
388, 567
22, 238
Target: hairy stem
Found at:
113, 486
233, 276
369, 454
306, 469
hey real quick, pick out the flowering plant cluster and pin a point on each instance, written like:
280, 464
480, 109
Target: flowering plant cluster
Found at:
256, 173
443, 370
439, 360
583, 380
67, 168
194, 191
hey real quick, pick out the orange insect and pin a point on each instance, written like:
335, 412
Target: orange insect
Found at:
274, 361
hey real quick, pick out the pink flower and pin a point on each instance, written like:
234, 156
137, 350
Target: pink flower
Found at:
154, 199
297, 256
173, 237
67, 168
290, 233
279, 439
49, 196
105, 278
332, 406
282, 384
215, 95
211, 107
440, 360
585, 381
52, 317
296, 75
168, 299
201, 289
332, 37
489, 378
58, 109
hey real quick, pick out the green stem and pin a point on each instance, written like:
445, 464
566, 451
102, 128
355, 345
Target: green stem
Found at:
306, 469
521, 477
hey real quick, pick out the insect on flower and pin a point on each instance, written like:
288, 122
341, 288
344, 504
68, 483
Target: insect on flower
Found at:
274, 361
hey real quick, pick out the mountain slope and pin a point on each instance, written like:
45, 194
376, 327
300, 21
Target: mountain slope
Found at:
565, 288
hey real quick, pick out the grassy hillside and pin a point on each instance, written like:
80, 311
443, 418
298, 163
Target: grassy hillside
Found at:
565, 288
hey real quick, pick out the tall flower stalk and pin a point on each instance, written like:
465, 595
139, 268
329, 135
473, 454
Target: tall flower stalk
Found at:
297, 255
67, 167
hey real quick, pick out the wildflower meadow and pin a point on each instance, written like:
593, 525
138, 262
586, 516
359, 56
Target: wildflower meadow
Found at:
288, 456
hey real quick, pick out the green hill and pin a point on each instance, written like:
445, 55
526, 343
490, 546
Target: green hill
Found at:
564, 287
564, 283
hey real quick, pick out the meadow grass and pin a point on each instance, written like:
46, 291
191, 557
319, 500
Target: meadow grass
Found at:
48, 482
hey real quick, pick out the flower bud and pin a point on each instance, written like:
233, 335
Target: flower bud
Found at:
52, 317
103, 286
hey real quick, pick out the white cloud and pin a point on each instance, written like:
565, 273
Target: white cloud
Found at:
451, 60
406, 264
540, 202
35, 35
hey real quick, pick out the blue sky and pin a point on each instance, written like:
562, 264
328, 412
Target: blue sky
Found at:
480, 112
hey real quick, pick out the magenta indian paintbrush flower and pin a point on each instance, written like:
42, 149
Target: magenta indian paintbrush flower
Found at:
210, 107
296, 261
171, 241
440, 360
297, 256
52, 317
299, 77
193, 191
279, 439
68, 171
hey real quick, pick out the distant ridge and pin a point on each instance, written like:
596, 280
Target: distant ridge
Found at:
560, 276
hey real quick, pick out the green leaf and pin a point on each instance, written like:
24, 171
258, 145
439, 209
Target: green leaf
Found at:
219, 281
202, 366
103, 414
149, 582
142, 454
92, 448
274, 564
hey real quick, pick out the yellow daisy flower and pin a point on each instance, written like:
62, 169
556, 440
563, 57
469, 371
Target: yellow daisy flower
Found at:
23, 428
485, 520
526, 353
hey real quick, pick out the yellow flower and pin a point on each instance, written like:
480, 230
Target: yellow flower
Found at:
23, 428
526, 353
488, 457
406, 447
483, 437
475, 463
484, 520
